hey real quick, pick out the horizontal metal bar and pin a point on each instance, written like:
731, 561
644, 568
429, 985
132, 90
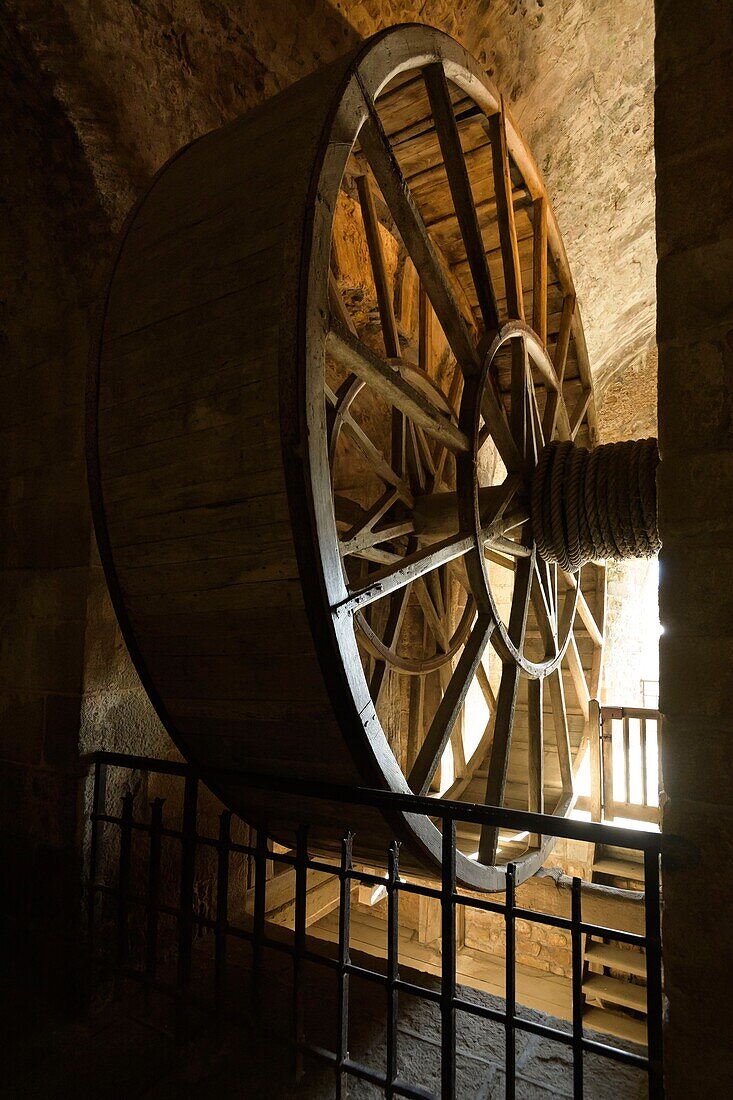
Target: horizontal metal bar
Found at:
517, 820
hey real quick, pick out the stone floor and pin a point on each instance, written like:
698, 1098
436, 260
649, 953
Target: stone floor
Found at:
127, 1049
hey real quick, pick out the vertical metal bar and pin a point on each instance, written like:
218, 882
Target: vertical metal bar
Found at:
576, 939
185, 906
301, 894
258, 928
222, 903
642, 745
99, 805
654, 1006
153, 898
448, 963
393, 927
342, 1039
511, 984
627, 762
123, 890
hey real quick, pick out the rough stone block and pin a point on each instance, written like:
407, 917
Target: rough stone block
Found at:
62, 716
694, 295
695, 676
697, 760
694, 495
695, 397
687, 116
21, 726
695, 593
686, 33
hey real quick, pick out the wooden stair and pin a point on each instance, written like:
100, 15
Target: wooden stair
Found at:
616, 1004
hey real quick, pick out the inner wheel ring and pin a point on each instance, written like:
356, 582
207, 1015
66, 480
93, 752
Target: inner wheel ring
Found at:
558, 624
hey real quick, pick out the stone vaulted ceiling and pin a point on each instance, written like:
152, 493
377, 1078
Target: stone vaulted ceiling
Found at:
138, 78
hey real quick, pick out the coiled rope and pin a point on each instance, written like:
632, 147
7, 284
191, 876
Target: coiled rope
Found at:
592, 505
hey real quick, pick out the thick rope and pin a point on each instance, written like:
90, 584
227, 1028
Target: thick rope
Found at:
592, 505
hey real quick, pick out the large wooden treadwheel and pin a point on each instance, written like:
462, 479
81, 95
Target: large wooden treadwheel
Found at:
338, 335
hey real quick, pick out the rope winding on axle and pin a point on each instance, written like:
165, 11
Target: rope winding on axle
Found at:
592, 505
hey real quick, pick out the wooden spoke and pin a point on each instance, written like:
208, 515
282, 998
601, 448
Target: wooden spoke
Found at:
578, 675
486, 688
515, 549
461, 192
387, 580
374, 457
499, 559
542, 607
427, 455
535, 751
450, 705
385, 379
585, 613
597, 664
431, 613
425, 331
505, 705
416, 715
562, 733
499, 429
505, 215
358, 537
539, 269
336, 303
549, 420
392, 631
379, 268
415, 236
418, 459
579, 411
519, 394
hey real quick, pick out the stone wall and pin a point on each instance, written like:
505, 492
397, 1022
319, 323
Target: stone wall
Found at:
694, 147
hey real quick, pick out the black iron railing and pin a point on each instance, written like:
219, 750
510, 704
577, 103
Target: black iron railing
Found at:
255, 930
